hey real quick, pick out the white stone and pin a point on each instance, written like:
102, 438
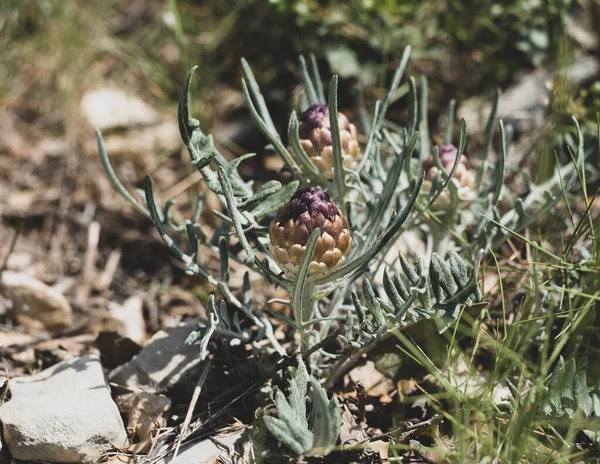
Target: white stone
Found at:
62, 414
162, 363
35, 304
109, 108
130, 318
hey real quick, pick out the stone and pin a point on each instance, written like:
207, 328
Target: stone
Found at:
112, 108
63, 414
206, 451
130, 318
162, 363
35, 305
525, 104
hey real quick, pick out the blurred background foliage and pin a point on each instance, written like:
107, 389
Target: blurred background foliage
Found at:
53, 48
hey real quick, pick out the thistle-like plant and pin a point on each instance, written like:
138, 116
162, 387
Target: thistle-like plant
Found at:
325, 235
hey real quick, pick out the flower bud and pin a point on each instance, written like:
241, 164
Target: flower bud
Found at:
315, 137
308, 209
463, 178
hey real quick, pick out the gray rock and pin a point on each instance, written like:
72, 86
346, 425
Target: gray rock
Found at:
205, 451
63, 414
162, 363
525, 104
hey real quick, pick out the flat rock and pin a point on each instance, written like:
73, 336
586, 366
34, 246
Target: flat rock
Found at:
111, 108
206, 451
129, 317
162, 363
36, 305
63, 414
525, 104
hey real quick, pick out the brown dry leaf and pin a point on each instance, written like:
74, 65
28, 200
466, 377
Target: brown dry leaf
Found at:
147, 415
351, 433
406, 388
375, 383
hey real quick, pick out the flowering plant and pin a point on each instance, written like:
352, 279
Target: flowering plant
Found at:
331, 237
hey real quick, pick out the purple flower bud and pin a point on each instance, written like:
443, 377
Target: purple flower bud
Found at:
315, 137
308, 209
463, 178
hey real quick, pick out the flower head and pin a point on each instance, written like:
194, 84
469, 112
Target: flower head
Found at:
463, 178
315, 137
308, 209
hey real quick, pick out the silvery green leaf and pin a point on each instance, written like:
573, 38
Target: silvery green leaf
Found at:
444, 275
338, 160
189, 128
458, 269
224, 257
203, 335
595, 396
360, 311
287, 429
225, 182
400, 287
309, 87
448, 314
294, 139
326, 420
580, 388
316, 78
201, 147
266, 190
301, 292
409, 272
205, 153
391, 291
298, 392
276, 200
268, 130
488, 136
554, 403
224, 315
436, 274
373, 304
257, 95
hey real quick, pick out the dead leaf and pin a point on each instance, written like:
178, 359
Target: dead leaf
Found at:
147, 415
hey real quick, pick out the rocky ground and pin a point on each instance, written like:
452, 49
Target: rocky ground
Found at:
94, 311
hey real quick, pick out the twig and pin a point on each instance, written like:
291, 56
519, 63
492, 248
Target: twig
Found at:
288, 361
11, 248
188, 416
